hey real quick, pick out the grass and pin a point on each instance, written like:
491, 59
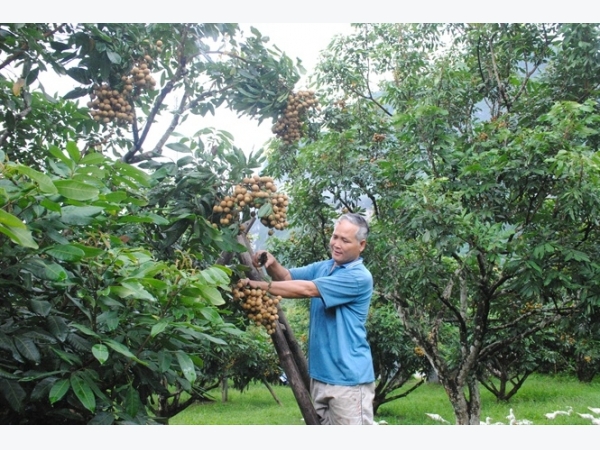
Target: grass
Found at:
540, 394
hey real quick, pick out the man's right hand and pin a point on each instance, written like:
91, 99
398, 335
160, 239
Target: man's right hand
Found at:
262, 259
275, 270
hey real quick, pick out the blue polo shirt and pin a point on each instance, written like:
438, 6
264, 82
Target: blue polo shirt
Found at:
338, 350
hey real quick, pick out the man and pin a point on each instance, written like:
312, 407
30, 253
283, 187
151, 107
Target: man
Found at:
339, 357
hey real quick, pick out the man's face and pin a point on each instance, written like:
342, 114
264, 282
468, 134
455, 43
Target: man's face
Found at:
343, 243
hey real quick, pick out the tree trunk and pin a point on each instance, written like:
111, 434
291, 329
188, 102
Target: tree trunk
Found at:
297, 353
466, 410
291, 358
224, 390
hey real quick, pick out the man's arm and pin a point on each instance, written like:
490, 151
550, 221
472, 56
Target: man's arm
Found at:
287, 288
275, 270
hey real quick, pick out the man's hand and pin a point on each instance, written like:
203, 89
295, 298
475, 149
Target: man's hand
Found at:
275, 270
262, 259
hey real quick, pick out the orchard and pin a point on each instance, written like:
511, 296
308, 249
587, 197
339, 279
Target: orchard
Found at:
472, 148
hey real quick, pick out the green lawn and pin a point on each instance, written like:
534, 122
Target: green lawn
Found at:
540, 395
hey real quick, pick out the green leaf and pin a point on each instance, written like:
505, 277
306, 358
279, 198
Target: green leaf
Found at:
70, 358
66, 252
59, 154
79, 215
102, 418
120, 348
114, 57
210, 338
43, 181
11, 221
127, 170
77, 92
100, 352
131, 289
212, 295
19, 236
81, 75
115, 197
50, 205
220, 276
158, 328
13, 393
27, 348
94, 159
58, 390
132, 401
211, 314
58, 327
178, 147
46, 270
83, 392
185, 161
534, 266
265, 210
73, 151
76, 190
187, 366
41, 307
85, 330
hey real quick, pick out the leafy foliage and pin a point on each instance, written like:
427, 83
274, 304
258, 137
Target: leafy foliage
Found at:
474, 147
115, 293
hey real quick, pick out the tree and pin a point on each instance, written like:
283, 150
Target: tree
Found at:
474, 148
114, 291
395, 357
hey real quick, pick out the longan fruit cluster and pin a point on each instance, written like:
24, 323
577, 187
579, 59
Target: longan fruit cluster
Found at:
110, 105
113, 105
254, 193
140, 75
258, 304
289, 125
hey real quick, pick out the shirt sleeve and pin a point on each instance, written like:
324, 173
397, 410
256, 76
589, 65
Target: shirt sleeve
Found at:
344, 287
304, 273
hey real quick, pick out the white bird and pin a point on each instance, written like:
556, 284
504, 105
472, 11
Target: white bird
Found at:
596, 421
436, 417
586, 416
524, 422
594, 410
488, 421
553, 415
511, 415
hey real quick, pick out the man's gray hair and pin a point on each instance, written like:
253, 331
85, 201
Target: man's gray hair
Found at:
358, 220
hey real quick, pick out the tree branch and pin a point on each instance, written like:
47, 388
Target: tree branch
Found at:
181, 60
501, 87
25, 47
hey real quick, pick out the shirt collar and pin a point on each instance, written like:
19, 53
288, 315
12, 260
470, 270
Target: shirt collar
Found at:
346, 265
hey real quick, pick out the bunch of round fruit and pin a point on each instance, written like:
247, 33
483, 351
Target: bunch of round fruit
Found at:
140, 75
259, 193
258, 304
108, 105
289, 125
378, 137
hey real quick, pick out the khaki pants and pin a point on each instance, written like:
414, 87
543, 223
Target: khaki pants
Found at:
343, 405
